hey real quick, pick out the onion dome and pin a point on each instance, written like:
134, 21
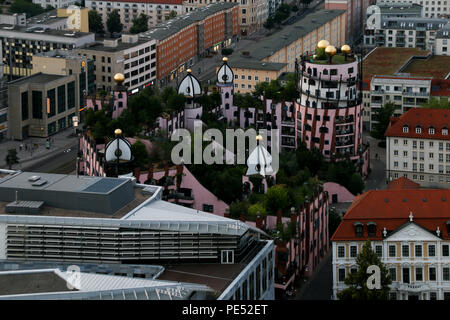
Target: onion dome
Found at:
189, 86
225, 74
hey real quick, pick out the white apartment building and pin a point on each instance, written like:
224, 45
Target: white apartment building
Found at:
404, 91
157, 10
135, 58
409, 232
442, 41
418, 147
54, 3
431, 8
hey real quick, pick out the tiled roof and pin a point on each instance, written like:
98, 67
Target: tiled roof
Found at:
402, 183
168, 2
423, 117
390, 209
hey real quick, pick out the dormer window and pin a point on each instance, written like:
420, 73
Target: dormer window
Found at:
444, 131
431, 130
358, 229
372, 229
405, 129
418, 129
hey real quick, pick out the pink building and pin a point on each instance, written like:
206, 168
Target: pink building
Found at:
118, 100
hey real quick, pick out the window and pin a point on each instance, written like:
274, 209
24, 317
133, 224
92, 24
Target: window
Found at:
431, 250
405, 129
227, 256
445, 251
446, 274
341, 275
419, 274
353, 251
379, 250
61, 98
24, 100
405, 250
36, 104
432, 273
393, 273
418, 250
392, 296
341, 251
208, 207
433, 296
392, 250
405, 275
418, 130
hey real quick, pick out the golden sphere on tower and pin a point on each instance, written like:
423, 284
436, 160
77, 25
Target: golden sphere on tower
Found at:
119, 78
189, 70
259, 138
224, 59
346, 49
118, 132
330, 50
323, 44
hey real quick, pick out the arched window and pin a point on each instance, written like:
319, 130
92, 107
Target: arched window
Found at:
227, 106
405, 129
372, 229
227, 95
418, 129
358, 229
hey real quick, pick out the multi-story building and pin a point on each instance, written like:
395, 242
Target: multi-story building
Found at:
442, 44
355, 12
119, 224
431, 8
403, 30
157, 11
19, 19
252, 14
181, 40
54, 3
71, 18
42, 104
410, 232
418, 147
20, 44
131, 56
3, 123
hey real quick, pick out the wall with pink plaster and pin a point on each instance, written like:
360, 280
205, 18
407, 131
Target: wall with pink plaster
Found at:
342, 193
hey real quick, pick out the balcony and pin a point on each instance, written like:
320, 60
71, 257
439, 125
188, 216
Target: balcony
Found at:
342, 120
344, 132
416, 94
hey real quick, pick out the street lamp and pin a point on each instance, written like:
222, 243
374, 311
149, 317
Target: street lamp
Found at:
75, 125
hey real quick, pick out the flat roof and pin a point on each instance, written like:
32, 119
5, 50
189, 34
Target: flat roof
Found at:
400, 8
270, 45
249, 63
48, 32
99, 46
388, 61
40, 78
437, 67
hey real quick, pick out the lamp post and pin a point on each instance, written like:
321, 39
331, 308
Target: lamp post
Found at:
75, 125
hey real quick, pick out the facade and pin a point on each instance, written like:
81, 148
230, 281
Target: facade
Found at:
181, 40
418, 147
42, 104
158, 11
13, 19
120, 222
70, 18
20, 44
442, 41
431, 9
3, 123
409, 230
131, 56
407, 29
355, 15
54, 3
252, 14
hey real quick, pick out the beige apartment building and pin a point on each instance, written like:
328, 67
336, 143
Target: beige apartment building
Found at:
157, 10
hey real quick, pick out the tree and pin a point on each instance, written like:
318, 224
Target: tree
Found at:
435, 103
276, 199
256, 208
356, 184
140, 154
172, 14
227, 51
357, 281
11, 158
23, 6
95, 22
113, 22
382, 116
140, 24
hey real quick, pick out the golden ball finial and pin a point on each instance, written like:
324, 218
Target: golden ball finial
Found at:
330, 50
189, 70
259, 137
118, 132
119, 78
346, 49
323, 44
224, 59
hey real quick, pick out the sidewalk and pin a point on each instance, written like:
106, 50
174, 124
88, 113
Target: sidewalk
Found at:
33, 149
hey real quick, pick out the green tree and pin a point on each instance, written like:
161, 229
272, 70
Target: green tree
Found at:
113, 23
22, 6
140, 154
356, 184
11, 158
172, 14
140, 24
435, 103
256, 208
357, 282
382, 116
238, 208
276, 199
95, 22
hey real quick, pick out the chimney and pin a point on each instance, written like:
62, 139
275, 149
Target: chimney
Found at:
279, 215
258, 221
242, 217
150, 173
166, 170
227, 213
137, 174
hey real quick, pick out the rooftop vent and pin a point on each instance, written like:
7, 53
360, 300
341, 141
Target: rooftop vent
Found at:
25, 207
33, 178
39, 183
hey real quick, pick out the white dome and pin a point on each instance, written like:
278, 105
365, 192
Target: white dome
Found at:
189, 86
225, 74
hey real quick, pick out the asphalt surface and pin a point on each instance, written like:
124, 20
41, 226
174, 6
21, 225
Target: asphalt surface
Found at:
320, 285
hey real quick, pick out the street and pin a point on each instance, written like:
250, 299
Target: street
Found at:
377, 177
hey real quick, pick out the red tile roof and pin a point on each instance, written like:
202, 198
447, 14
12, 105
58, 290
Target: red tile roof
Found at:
168, 2
390, 209
402, 183
440, 88
423, 117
